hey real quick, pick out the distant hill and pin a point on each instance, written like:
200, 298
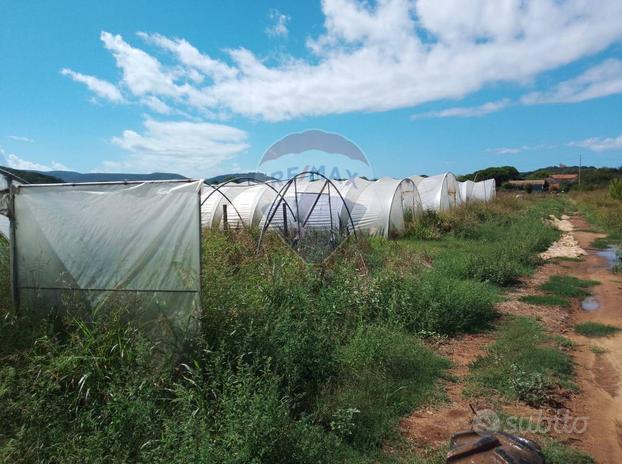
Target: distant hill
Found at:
591, 177
76, 177
226, 177
30, 177
72, 177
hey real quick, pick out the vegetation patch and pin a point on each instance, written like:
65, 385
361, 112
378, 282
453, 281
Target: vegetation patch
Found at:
295, 363
545, 300
567, 286
494, 243
563, 342
558, 453
383, 373
598, 350
603, 210
601, 243
596, 329
523, 363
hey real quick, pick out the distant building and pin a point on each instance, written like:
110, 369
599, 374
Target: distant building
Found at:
558, 181
564, 177
536, 185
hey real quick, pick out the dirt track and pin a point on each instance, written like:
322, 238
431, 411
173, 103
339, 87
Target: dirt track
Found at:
598, 375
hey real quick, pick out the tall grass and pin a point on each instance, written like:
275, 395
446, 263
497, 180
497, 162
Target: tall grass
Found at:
295, 363
495, 243
601, 209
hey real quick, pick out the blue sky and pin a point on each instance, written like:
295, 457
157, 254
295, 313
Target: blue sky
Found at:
204, 87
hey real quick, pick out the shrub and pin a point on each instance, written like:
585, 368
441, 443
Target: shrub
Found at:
429, 225
384, 373
494, 264
615, 189
94, 395
435, 303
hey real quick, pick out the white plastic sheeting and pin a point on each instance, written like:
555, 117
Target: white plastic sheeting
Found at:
93, 241
379, 207
440, 192
382, 207
466, 190
485, 190
215, 200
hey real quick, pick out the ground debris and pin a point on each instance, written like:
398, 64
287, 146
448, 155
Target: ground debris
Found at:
562, 224
565, 247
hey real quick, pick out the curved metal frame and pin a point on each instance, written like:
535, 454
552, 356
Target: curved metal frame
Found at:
217, 189
243, 178
281, 198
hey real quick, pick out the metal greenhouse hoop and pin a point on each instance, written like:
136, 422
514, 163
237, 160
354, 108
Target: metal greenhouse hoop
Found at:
280, 199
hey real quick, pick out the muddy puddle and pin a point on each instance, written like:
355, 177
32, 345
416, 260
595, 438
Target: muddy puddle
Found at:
590, 304
611, 255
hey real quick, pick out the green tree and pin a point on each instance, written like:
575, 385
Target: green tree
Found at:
501, 174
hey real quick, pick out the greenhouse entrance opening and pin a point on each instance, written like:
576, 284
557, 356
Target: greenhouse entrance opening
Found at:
311, 215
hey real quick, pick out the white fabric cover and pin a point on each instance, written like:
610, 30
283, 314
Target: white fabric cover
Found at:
438, 193
377, 207
382, 207
433, 192
485, 190
213, 202
466, 190
135, 240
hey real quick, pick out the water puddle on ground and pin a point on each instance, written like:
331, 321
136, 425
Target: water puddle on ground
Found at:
610, 254
589, 304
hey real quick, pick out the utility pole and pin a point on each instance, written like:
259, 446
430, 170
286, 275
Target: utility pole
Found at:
579, 172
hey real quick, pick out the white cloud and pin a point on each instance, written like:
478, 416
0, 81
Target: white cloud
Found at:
156, 105
278, 28
599, 143
179, 146
376, 57
191, 58
523, 148
20, 138
99, 87
505, 150
466, 111
15, 162
599, 81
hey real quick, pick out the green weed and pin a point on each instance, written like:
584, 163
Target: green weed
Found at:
567, 286
563, 341
294, 363
558, 453
522, 364
596, 329
545, 300
383, 374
